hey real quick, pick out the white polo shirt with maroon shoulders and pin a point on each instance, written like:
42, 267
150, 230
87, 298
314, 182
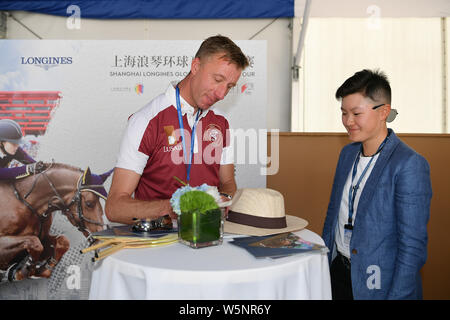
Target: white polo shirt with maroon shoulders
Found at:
151, 146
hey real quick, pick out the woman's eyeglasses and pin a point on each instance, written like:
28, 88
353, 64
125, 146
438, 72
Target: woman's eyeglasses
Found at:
392, 115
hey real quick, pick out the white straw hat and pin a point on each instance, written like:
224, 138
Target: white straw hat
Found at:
260, 212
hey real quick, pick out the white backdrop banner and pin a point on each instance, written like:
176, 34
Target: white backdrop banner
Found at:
73, 99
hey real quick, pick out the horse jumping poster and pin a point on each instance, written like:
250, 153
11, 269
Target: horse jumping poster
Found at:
63, 107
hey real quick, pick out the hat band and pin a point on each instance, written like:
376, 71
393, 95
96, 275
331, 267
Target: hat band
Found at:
259, 222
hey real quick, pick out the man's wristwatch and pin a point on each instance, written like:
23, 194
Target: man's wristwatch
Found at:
226, 195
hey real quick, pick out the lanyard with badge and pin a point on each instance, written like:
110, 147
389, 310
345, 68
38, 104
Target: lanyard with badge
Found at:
180, 121
354, 189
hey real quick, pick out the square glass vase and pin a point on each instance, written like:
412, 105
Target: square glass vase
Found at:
201, 229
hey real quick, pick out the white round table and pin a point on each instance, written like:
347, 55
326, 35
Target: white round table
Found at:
221, 272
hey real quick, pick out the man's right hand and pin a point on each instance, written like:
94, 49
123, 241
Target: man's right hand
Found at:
168, 210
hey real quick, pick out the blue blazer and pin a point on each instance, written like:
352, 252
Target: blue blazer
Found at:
389, 239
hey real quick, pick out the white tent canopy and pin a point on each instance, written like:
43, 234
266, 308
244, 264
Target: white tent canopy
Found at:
365, 8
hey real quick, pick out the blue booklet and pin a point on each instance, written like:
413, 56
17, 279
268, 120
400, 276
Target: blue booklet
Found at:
276, 246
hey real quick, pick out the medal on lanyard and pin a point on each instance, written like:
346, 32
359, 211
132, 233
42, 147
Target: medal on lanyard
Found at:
352, 193
180, 121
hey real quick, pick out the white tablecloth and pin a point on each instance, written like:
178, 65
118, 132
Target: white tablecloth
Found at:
214, 273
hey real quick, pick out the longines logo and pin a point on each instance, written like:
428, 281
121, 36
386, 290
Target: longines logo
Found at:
46, 62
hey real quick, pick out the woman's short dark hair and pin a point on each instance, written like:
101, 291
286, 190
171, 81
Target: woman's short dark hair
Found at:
372, 84
221, 44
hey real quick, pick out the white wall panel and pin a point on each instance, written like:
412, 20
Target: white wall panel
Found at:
447, 74
407, 49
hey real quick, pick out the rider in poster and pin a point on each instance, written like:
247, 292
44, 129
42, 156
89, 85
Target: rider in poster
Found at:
10, 138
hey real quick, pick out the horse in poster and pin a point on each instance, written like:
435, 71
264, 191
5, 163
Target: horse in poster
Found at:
27, 249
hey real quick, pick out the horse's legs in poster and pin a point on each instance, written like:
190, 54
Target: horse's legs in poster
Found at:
55, 247
17, 254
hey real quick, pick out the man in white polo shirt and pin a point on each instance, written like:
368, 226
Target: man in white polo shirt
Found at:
178, 135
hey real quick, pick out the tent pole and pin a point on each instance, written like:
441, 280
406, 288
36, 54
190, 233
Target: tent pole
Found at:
298, 54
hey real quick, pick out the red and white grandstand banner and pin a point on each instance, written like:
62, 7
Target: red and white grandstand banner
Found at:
32, 110
73, 98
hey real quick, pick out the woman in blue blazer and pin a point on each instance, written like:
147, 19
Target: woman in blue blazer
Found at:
376, 223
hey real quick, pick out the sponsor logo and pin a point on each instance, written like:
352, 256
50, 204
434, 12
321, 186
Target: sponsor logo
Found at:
121, 89
213, 134
172, 148
46, 62
139, 88
247, 88
170, 134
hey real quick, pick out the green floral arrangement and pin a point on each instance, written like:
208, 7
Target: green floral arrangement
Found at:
197, 200
199, 215
202, 198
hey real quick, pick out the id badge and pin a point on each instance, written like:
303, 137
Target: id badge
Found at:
347, 234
